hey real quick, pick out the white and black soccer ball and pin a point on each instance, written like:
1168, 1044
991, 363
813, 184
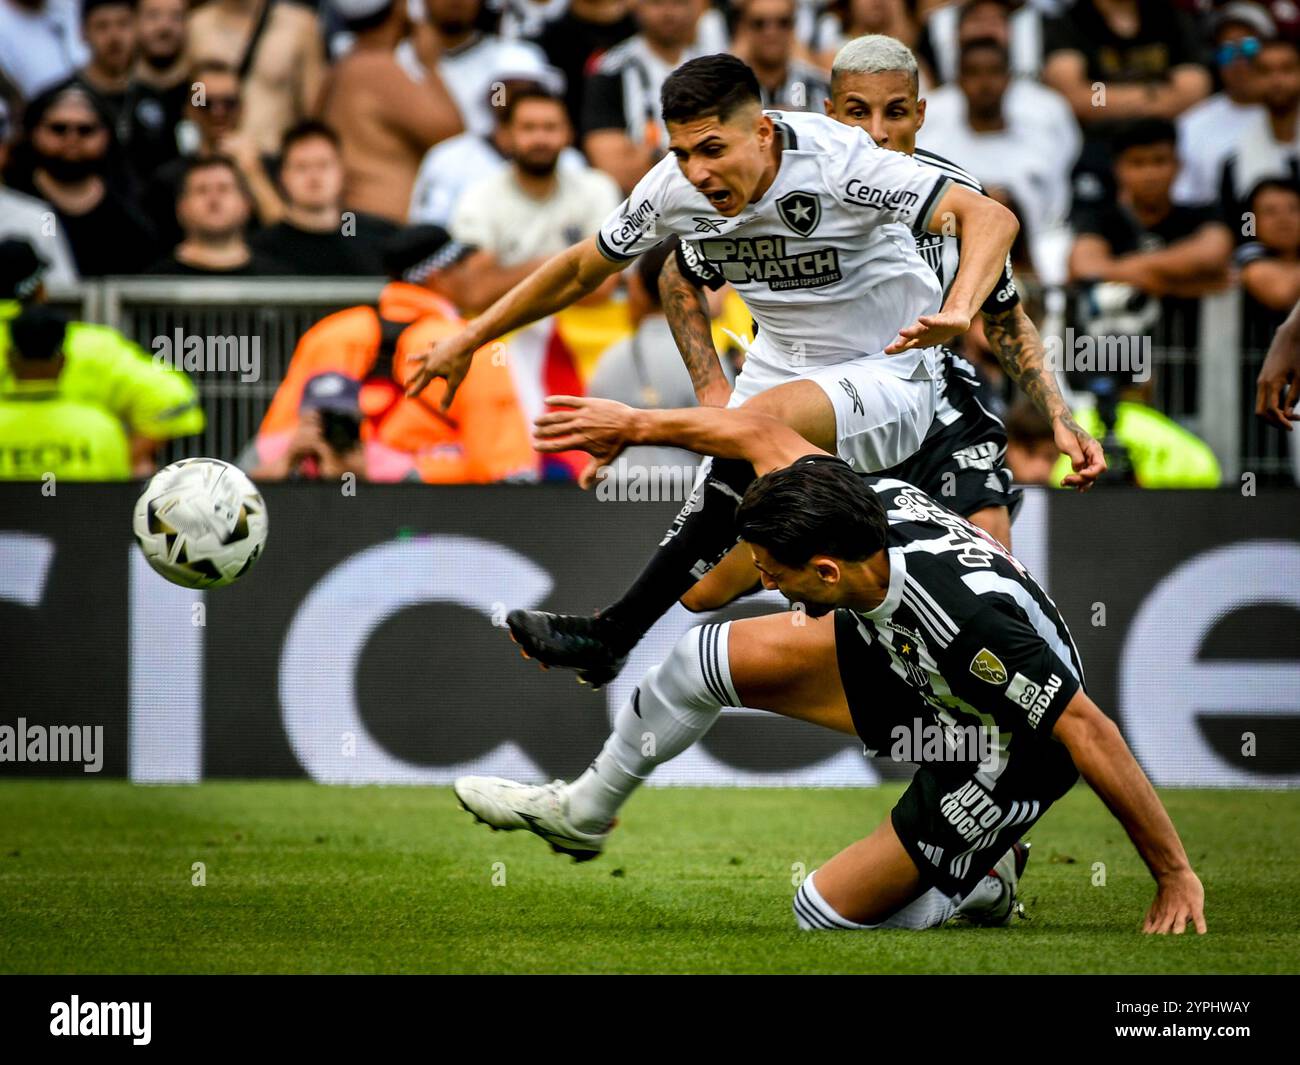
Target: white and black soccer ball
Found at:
201, 523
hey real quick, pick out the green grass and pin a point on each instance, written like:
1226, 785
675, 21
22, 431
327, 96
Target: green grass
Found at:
96, 878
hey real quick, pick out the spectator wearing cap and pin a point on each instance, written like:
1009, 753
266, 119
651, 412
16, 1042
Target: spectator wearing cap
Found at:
109, 30
622, 131
571, 42
765, 40
159, 90
387, 115
30, 219
1142, 238
213, 108
70, 158
469, 61
1208, 131
276, 48
213, 207
1268, 145
44, 432
101, 367
460, 162
483, 436
333, 437
316, 236
40, 44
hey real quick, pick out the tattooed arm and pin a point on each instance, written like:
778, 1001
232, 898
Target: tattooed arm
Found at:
688, 317
1016, 343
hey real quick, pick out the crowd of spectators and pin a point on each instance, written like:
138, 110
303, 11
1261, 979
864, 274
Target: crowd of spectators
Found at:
1150, 148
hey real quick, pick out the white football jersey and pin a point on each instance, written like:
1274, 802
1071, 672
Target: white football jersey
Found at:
826, 260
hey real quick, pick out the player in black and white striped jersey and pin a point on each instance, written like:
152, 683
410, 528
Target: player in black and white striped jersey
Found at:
909, 618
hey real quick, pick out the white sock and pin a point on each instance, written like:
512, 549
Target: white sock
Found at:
814, 914
676, 703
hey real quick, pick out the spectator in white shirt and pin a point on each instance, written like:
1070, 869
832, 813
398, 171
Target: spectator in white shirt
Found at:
1208, 131
521, 215
454, 165
40, 43
1269, 144
996, 126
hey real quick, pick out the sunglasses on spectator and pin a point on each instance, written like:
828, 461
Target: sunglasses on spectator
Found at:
81, 129
223, 103
1246, 48
780, 22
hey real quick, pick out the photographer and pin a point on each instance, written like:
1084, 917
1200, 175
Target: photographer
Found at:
327, 442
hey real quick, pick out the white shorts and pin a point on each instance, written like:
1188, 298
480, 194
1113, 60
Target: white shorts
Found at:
884, 404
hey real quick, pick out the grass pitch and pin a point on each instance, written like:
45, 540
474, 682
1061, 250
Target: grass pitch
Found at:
98, 878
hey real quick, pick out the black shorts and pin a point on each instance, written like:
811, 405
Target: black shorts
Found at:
963, 464
953, 821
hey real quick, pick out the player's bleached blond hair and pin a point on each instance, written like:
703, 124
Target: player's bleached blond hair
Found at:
875, 53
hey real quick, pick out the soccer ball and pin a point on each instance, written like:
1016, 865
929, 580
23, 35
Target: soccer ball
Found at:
200, 523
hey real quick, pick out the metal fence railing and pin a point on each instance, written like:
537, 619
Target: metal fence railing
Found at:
1205, 354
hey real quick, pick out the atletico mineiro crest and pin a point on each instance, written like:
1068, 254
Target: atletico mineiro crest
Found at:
908, 647
800, 210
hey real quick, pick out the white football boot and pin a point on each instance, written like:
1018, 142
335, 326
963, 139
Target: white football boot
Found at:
1009, 869
542, 809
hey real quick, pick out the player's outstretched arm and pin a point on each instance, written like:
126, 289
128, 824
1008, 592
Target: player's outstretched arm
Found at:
603, 428
561, 280
688, 318
1015, 341
1280, 375
1106, 763
986, 229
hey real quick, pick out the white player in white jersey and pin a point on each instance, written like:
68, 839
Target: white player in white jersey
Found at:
807, 217
812, 224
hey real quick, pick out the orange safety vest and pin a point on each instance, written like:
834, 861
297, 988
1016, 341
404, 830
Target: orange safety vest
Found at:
482, 437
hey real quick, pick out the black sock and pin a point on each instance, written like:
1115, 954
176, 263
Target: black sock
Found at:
699, 538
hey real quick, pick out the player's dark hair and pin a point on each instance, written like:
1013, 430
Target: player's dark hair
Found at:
818, 506
305, 130
1142, 133
710, 85
986, 44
